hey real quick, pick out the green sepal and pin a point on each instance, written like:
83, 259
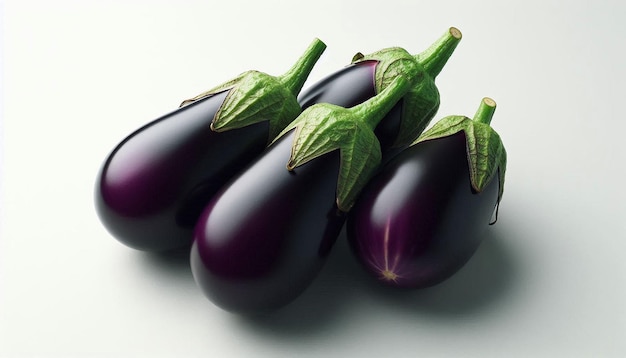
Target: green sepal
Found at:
422, 101
255, 96
485, 151
419, 100
323, 128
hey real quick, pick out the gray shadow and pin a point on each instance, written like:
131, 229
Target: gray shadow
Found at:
171, 267
484, 280
334, 297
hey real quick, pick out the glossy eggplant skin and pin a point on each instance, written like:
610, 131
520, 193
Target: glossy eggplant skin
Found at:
263, 238
350, 86
153, 186
419, 220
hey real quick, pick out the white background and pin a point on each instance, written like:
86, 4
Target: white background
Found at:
548, 281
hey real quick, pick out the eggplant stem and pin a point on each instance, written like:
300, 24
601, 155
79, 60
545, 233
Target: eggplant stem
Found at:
435, 57
376, 108
485, 111
295, 77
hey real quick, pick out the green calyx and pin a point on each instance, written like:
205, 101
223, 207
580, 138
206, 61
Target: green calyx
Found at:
422, 101
323, 128
255, 96
485, 150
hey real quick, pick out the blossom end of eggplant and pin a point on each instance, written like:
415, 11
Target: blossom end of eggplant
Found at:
387, 275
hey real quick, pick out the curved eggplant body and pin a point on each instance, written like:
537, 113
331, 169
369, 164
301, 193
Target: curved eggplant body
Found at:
263, 238
350, 86
347, 87
419, 220
153, 186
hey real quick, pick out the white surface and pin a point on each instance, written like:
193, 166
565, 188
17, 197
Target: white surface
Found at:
549, 281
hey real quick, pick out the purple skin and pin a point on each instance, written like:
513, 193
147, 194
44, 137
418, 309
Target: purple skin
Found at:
155, 183
264, 237
419, 220
181, 159
350, 86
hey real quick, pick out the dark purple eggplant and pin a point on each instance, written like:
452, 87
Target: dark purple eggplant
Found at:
153, 186
263, 238
421, 218
368, 75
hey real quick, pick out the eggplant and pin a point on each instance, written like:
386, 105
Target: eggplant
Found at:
368, 75
264, 237
421, 218
153, 186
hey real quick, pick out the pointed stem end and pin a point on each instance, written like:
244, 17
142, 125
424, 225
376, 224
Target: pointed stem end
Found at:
485, 111
456, 33
436, 56
296, 76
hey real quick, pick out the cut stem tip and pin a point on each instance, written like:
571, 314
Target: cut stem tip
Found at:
485, 111
456, 33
